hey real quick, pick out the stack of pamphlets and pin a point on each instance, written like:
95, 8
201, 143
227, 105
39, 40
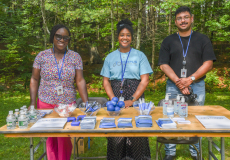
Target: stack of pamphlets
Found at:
49, 124
166, 123
125, 123
88, 122
143, 121
107, 123
214, 122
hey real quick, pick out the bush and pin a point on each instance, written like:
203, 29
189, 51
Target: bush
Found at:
212, 81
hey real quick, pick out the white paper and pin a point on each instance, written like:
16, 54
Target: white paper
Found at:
49, 124
214, 122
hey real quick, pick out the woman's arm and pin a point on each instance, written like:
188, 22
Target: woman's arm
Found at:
34, 85
81, 85
140, 89
108, 88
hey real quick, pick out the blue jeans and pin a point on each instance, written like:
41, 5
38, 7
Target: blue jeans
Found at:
199, 89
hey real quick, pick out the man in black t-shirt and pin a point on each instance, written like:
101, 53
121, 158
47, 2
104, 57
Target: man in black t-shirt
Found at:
185, 57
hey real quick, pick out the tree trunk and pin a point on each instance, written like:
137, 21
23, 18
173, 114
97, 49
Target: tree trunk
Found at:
153, 35
94, 54
45, 28
139, 25
170, 22
112, 25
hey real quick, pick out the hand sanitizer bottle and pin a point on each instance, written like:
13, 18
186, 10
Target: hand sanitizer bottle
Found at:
176, 104
22, 120
10, 121
183, 108
33, 114
170, 109
16, 114
165, 103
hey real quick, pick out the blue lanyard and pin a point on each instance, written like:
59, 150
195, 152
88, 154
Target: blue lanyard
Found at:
123, 71
185, 54
59, 73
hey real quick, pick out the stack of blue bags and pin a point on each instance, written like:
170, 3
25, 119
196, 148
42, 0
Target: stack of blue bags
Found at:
125, 123
107, 123
143, 121
88, 122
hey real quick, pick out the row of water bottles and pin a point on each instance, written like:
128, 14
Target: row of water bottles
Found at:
22, 118
180, 107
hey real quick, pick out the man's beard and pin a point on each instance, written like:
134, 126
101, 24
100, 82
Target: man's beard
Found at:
186, 29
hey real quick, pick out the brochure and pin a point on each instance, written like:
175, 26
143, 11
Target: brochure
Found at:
49, 124
214, 122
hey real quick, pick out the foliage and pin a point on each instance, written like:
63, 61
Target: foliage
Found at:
211, 81
97, 83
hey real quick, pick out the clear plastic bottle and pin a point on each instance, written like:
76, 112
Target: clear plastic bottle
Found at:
27, 114
23, 107
183, 108
22, 120
16, 114
176, 104
33, 114
170, 109
165, 103
10, 121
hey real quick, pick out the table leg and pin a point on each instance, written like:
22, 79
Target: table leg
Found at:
44, 144
209, 149
222, 149
31, 149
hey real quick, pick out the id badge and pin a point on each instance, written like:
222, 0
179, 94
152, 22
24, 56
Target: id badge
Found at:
121, 99
59, 90
183, 73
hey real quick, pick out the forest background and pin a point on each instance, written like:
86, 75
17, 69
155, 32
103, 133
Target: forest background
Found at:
25, 26
24, 32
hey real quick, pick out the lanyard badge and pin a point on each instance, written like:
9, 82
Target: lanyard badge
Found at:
60, 87
184, 70
122, 75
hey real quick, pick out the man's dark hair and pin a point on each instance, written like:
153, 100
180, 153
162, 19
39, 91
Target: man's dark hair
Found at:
126, 23
54, 30
183, 9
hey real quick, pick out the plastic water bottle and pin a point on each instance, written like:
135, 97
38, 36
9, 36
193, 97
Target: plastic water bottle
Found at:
27, 114
165, 103
33, 114
170, 109
16, 114
176, 104
183, 108
23, 107
22, 120
10, 121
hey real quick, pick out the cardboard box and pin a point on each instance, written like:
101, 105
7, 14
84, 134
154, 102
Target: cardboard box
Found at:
82, 144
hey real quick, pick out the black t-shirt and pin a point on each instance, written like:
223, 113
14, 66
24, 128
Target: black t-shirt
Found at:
200, 50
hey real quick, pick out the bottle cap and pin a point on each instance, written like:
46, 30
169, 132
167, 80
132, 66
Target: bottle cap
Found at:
16, 110
32, 107
167, 96
10, 112
182, 99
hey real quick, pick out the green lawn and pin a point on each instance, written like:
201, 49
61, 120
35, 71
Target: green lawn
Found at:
18, 148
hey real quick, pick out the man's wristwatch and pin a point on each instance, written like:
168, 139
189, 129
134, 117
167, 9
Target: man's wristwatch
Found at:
132, 98
192, 78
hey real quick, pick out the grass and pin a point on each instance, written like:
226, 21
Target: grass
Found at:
18, 148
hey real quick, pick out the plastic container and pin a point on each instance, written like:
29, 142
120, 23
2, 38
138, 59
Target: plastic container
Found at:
33, 114
146, 111
165, 103
112, 113
170, 109
183, 108
10, 120
90, 108
22, 120
65, 110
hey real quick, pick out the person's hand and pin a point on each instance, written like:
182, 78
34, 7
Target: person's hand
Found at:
183, 83
128, 103
185, 91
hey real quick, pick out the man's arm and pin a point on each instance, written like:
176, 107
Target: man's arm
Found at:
173, 77
205, 68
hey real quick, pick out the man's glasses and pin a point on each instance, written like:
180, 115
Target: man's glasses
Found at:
58, 37
180, 18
